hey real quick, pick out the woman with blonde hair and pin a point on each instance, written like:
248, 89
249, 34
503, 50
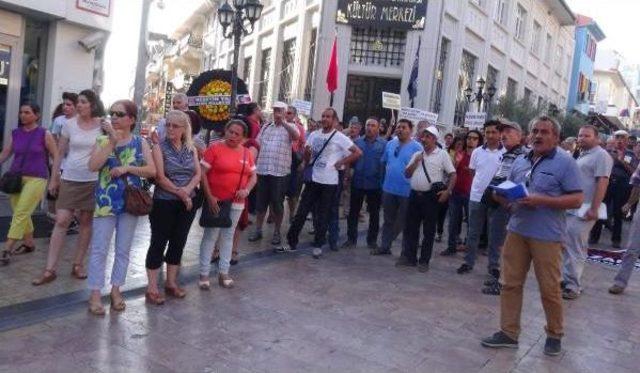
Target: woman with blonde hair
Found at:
177, 176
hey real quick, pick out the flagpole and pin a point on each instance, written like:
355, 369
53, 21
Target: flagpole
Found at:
331, 100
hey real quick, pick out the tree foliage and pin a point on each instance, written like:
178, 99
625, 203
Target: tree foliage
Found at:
522, 111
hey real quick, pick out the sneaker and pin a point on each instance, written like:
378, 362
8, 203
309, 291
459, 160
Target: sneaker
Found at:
73, 226
552, 346
423, 267
448, 252
569, 294
438, 237
379, 251
285, 249
464, 268
500, 340
404, 262
616, 289
348, 244
276, 240
317, 252
255, 236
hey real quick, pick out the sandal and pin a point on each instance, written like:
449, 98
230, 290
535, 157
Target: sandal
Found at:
24, 249
48, 276
118, 306
5, 257
176, 292
204, 284
225, 281
234, 258
96, 309
78, 272
154, 298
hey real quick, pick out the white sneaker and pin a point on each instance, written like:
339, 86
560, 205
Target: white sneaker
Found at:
317, 252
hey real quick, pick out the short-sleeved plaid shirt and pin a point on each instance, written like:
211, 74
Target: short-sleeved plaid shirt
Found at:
274, 157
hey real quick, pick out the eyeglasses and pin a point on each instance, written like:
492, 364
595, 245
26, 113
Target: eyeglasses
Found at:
118, 114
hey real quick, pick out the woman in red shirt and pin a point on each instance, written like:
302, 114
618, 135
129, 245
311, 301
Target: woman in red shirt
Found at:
459, 200
229, 173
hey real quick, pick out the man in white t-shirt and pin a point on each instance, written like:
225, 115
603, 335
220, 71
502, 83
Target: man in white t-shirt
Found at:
324, 156
69, 101
484, 164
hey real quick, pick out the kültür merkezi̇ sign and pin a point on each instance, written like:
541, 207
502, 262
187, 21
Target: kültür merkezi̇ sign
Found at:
396, 14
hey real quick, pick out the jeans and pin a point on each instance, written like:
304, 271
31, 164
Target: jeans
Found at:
457, 204
424, 211
575, 251
496, 220
395, 210
315, 197
170, 223
103, 227
209, 238
617, 196
373, 207
334, 214
442, 215
519, 252
631, 256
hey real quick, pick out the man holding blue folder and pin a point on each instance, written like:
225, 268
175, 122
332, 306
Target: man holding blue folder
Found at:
536, 233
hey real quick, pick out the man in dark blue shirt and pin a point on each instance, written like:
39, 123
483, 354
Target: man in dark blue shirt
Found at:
366, 182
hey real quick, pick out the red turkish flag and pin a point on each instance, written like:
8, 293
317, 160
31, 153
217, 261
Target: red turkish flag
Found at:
332, 73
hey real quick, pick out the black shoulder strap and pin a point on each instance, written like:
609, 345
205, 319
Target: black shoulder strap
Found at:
424, 168
322, 149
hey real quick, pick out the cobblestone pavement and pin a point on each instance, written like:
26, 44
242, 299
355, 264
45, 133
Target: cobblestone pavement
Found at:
347, 312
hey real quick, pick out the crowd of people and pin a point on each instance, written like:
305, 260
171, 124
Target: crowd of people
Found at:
96, 172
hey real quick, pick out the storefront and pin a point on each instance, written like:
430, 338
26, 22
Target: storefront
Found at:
46, 48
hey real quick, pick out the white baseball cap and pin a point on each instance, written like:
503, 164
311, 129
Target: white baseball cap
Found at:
621, 133
279, 105
432, 130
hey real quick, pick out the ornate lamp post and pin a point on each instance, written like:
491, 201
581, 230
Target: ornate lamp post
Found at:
481, 96
232, 20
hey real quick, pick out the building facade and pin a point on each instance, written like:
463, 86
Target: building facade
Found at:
46, 48
587, 35
522, 47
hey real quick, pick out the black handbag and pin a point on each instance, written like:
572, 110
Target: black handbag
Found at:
436, 187
11, 182
208, 219
307, 173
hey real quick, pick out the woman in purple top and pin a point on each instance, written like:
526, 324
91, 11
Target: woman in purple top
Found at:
31, 146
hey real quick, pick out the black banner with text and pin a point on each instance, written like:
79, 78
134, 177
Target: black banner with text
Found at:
396, 14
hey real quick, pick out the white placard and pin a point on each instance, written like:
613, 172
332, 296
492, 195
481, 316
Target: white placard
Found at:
391, 101
474, 120
417, 115
304, 107
101, 7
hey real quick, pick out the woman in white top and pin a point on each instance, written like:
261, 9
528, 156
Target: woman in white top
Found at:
75, 185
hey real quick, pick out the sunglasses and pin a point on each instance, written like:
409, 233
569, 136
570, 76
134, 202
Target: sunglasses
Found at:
118, 114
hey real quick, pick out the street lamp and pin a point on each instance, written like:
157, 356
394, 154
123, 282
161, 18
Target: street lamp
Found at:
232, 19
481, 96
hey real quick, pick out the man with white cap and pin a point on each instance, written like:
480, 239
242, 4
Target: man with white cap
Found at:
624, 163
273, 167
427, 170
